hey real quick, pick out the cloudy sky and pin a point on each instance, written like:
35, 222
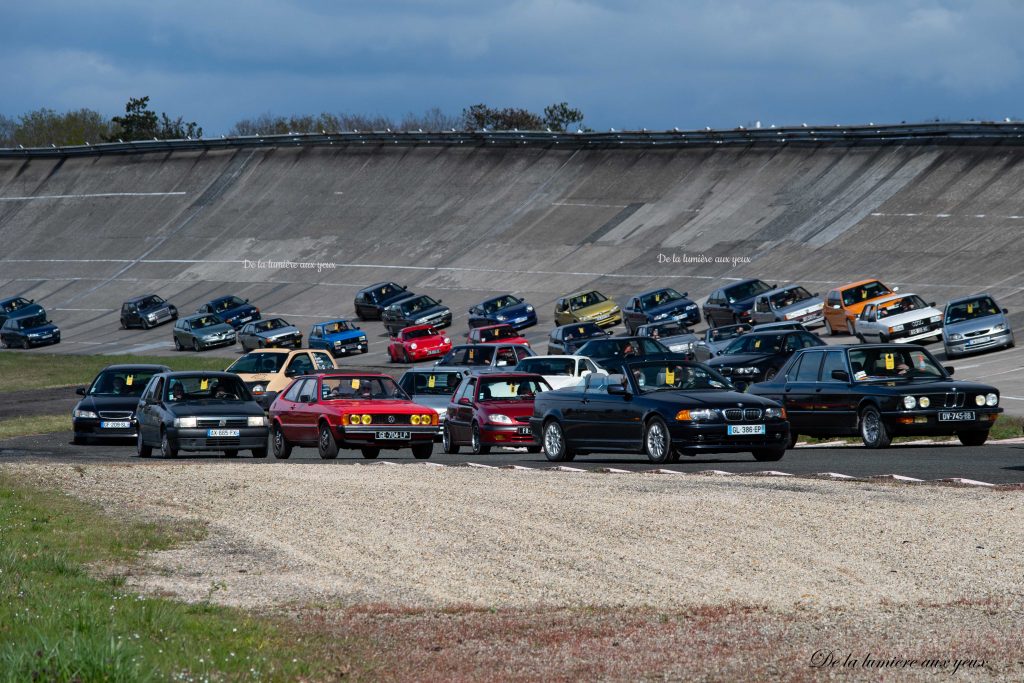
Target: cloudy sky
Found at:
626, 63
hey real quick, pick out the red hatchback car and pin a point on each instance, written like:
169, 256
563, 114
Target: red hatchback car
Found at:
493, 334
419, 342
492, 409
367, 411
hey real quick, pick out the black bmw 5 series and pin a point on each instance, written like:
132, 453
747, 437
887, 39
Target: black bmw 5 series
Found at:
663, 409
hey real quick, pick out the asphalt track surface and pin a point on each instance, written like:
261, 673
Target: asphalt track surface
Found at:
994, 463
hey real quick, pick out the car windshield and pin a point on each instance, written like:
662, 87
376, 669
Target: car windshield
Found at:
510, 389
746, 290
790, 296
548, 366
151, 302
206, 388
272, 324
659, 298
420, 303
726, 332
15, 304
389, 290
756, 343
430, 383
584, 300
496, 333
979, 307
893, 363
205, 321
336, 326
31, 321
864, 292
604, 348
420, 333
227, 304
668, 329
258, 362
495, 305
357, 388
469, 355
128, 383
584, 331
677, 376
911, 302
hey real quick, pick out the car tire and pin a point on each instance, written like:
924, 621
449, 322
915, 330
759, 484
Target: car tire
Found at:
849, 329
124, 324
477, 445
873, 431
793, 438
657, 441
195, 345
24, 344
167, 448
370, 452
259, 452
78, 439
145, 324
555, 448
769, 374
974, 437
405, 356
177, 345
325, 443
447, 443
244, 348
828, 328
282, 449
231, 453
141, 448
769, 454
952, 356
423, 451
882, 339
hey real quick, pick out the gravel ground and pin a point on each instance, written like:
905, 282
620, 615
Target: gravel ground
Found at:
429, 537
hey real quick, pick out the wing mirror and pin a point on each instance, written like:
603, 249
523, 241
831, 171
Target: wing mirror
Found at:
305, 398
1005, 312
841, 375
290, 372
465, 401
949, 369
895, 289
80, 391
740, 386
932, 304
617, 390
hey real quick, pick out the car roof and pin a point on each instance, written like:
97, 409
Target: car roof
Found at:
971, 297
742, 282
892, 297
653, 291
583, 291
333, 320
791, 285
226, 296
13, 298
193, 373
200, 315
508, 373
860, 282
138, 298
491, 327
380, 284
556, 355
141, 366
773, 333
346, 373
435, 369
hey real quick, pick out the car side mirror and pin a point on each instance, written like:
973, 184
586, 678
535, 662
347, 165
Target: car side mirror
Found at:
817, 294
1005, 312
290, 372
740, 386
465, 402
617, 390
895, 289
608, 332
949, 369
80, 391
841, 375
932, 304
686, 294
440, 300
246, 301
305, 398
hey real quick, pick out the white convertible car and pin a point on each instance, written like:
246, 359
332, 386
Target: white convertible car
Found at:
900, 318
560, 371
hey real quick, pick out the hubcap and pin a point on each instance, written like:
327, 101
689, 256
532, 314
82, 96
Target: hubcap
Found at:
871, 427
553, 439
476, 439
324, 438
656, 441
278, 441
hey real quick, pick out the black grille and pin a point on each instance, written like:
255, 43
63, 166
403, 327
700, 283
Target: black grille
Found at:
223, 441
737, 414
752, 414
216, 422
977, 333
954, 399
116, 414
394, 419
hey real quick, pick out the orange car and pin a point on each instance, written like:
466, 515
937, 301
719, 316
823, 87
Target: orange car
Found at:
843, 304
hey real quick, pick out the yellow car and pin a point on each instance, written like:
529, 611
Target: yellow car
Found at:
587, 307
268, 371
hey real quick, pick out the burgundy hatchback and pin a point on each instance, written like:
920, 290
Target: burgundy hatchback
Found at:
492, 409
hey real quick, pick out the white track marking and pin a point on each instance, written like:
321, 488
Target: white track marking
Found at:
589, 204
90, 196
940, 215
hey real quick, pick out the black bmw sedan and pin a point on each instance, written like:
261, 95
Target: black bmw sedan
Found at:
757, 356
199, 411
662, 409
880, 391
107, 408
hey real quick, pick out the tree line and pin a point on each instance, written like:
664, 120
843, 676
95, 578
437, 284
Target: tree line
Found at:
44, 127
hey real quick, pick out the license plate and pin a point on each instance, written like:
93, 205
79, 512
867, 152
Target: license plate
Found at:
955, 415
524, 430
742, 430
433, 352
393, 436
979, 340
222, 432
115, 424
245, 319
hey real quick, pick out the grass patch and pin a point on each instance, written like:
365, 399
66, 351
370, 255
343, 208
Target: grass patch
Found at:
23, 371
34, 424
59, 623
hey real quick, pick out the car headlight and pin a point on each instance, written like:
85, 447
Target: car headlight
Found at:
362, 340
909, 402
750, 370
935, 318
956, 337
992, 400
529, 309
85, 413
442, 413
661, 316
151, 316
615, 309
999, 328
257, 421
500, 419
775, 413
414, 420
185, 422
421, 321
428, 419
413, 346
447, 340
701, 415
500, 318
679, 348
924, 402
896, 328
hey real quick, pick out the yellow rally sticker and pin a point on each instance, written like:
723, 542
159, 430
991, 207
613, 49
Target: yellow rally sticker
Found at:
890, 361
670, 377
355, 382
471, 352
129, 379
204, 384
580, 329
970, 308
757, 343
431, 381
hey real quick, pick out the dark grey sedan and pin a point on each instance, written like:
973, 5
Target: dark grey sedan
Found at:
269, 333
198, 332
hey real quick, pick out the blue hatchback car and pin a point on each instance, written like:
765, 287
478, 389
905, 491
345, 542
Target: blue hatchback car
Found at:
232, 310
28, 331
507, 309
339, 337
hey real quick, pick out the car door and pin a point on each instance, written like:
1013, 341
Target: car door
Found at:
306, 414
149, 417
316, 337
460, 415
287, 403
867, 324
633, 315
562, 315
713, 309
834, 311
835, 404
762, 312
800, 392
246, 337
555, 341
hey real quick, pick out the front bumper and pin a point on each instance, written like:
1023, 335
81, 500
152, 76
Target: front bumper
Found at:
997, 340
345, 348
425, 354
357, 436
522, 321
926, 422
609, 320
520, 434
212, 344
40, 341
294, 342
909, 336
87, 427
712, 437
198, 439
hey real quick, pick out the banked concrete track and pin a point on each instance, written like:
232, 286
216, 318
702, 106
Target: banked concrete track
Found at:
82, 233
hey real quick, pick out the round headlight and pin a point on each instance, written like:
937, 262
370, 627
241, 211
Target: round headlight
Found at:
353, 419
366, 419
425, 419
529, 309
415, 419
992, 400
979, 400
413, 346
924, 402
909, 402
